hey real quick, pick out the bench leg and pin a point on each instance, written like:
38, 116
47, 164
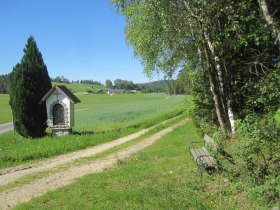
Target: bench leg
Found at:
200, 168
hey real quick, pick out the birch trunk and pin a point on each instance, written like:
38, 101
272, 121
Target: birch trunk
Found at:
269, 19
226, 101
222, 104
217, 103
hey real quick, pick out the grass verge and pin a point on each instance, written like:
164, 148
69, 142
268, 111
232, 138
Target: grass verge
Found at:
164, 176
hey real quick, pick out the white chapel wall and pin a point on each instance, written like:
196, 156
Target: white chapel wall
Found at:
61, 98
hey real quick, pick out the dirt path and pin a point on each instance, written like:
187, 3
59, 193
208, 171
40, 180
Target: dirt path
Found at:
24, 193
12, 174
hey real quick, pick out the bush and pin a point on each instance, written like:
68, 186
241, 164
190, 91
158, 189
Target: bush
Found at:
258, 155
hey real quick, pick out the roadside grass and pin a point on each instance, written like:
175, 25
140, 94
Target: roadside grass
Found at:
163, 176
15, 150
5, 109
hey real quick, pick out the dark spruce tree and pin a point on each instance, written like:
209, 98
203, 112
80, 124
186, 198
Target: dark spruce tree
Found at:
29, 83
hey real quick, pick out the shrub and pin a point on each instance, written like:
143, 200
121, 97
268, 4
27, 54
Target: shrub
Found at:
258, 154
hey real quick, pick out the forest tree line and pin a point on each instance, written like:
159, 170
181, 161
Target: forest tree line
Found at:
174, 86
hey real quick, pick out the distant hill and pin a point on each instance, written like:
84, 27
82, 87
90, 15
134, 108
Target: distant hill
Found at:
78, 87
153, 87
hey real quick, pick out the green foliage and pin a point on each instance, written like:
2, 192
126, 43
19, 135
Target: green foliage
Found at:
61, 79
258, 155
124, 84
108, 83
227, 46
4, 83
29, 83
153, 87
277, 117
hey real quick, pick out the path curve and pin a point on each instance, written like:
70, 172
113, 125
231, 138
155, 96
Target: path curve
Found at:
24, 193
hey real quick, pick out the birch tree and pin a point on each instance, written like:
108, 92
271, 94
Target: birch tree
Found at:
222, 39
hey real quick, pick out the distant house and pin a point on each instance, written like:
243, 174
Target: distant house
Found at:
60, 109
118, 91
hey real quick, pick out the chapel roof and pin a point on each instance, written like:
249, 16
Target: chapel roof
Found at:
66, 92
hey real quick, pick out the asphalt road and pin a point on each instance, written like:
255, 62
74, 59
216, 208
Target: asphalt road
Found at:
6, 127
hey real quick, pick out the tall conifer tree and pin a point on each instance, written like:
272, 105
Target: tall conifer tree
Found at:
29, 83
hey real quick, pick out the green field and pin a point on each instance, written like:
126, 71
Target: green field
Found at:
101, 118
105, 112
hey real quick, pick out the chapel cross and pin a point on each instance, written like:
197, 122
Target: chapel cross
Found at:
57, 93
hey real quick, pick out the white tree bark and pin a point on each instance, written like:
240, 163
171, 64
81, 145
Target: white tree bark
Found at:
227, 109
231, 116
269, 19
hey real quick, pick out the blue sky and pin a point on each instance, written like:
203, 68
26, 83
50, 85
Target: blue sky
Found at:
79, 39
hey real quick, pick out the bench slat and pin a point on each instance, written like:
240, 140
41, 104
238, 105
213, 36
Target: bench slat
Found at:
211, 162
203, 156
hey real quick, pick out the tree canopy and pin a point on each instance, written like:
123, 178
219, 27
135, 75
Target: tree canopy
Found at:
228, 51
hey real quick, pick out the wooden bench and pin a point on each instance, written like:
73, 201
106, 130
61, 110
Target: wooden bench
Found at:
203, 158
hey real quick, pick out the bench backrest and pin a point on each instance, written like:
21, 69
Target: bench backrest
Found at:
208, 139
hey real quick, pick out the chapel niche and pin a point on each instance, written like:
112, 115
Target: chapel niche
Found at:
58, 115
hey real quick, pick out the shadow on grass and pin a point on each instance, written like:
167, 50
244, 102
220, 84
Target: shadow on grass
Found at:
227, 156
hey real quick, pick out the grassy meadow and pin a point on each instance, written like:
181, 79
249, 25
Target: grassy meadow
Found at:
98, 119
163, 176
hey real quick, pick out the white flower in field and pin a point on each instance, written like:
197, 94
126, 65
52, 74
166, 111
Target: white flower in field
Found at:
170, 172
